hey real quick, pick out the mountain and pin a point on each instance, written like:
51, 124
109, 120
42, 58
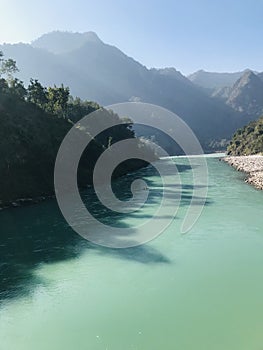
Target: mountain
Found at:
213, 80
97, 71
246, 95
242, 91
222, 93
260, 75
62, 42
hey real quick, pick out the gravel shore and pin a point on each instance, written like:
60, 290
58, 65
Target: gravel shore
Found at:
251, 165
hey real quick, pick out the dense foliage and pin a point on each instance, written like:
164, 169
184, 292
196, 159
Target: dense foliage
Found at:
33, 123
248, 140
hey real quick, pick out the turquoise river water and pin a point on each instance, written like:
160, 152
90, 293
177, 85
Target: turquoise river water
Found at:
198, 291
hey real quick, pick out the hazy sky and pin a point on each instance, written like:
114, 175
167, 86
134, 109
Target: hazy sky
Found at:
215, 35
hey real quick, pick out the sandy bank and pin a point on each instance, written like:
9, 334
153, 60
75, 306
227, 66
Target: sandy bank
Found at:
251, 165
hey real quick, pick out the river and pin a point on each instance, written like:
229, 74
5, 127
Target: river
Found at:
199, 291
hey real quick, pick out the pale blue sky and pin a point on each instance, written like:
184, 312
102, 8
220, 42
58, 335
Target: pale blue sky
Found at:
215, 35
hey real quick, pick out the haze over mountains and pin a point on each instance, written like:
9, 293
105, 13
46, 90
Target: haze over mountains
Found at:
243, 91
97, 71
214, 80
246, 94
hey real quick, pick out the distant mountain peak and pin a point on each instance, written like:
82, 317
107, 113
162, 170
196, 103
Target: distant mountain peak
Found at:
248, 70
91, 36
59, 42
214, 80
97, 71
246, 94
172, 73
248, 77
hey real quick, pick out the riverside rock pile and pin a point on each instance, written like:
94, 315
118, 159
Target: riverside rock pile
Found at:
252, 165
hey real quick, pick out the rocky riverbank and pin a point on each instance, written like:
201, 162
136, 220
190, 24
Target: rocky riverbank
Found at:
251, 165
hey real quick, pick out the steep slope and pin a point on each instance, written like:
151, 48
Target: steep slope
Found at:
38, 64
110, 75
222, 93
246, 95
209, 118
260, 75
97, 71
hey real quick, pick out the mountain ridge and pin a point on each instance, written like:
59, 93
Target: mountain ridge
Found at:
103, 73
58, 42
246, 94
214, 80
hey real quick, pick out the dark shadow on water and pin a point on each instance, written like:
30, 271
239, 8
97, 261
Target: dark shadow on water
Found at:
31, 236
142, 254
36, 235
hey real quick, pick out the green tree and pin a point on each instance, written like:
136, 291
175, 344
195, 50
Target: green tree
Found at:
3, 85
17, 88
37, 94
78, 109
248, 140
8, 67
58, 100
1, 57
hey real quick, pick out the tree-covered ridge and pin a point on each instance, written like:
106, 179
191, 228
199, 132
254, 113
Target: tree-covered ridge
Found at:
248, 140
33, 122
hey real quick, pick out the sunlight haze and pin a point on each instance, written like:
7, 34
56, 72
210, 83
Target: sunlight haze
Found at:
188, 35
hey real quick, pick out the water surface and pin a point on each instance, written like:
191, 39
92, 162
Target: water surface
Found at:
199, 291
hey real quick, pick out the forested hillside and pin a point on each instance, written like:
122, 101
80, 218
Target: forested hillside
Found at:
248, 140
33, 123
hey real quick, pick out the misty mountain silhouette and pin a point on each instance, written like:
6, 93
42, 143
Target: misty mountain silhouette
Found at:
97, 71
